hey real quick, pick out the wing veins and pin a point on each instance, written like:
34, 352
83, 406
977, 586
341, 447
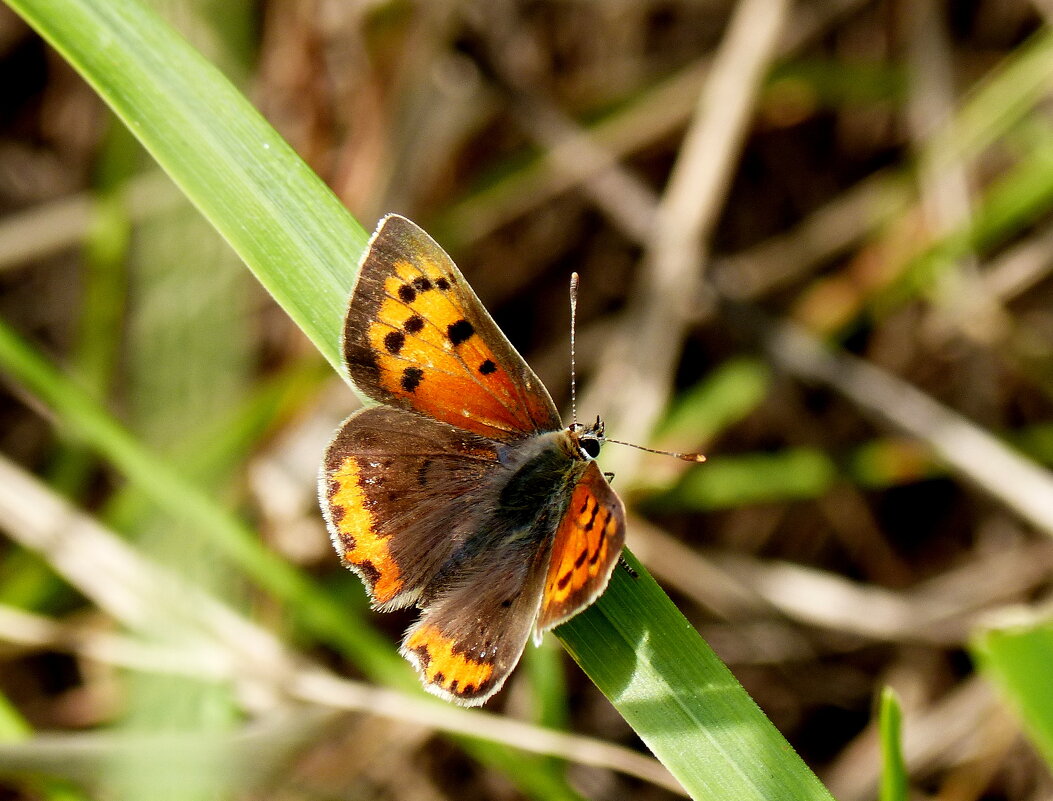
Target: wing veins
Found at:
467, 370
517, 385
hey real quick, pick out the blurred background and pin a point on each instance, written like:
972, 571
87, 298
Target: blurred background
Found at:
814, 241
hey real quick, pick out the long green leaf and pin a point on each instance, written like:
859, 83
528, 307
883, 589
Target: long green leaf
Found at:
302, 245
894, 785
1016, 656
286, 225
680, 698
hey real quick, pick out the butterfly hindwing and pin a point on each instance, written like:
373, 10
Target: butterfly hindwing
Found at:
417, 338
586, 547
470, 637
400, 494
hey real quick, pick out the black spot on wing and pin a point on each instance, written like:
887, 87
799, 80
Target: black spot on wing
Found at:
421, 284
411, 378
592, 519
487, 367
368, 572
459, 332
414, 325
442, 284
393, 341
407, 293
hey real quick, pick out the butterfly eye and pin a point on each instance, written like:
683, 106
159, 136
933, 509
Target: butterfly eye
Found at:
590, 448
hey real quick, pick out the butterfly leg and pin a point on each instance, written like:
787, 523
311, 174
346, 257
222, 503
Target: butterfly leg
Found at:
628, 568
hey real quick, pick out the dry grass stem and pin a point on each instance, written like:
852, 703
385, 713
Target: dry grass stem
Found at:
127, 585
1016, 481
643, 354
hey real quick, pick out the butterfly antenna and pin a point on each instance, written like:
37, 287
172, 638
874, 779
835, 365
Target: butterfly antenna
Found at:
687, 457
573, 319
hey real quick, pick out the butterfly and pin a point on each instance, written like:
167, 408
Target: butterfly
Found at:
462, 493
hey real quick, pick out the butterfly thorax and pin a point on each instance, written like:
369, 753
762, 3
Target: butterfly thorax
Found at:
546, 468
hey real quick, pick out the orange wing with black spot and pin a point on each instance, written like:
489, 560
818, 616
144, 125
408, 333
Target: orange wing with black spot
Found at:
417, 338
585, 550
470, 637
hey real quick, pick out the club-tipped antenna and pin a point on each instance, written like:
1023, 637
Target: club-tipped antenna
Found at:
573, 318
687, 457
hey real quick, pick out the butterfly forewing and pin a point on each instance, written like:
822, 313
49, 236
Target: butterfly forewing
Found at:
586, 547
418, 338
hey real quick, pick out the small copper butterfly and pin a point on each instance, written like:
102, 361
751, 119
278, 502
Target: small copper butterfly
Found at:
463, 493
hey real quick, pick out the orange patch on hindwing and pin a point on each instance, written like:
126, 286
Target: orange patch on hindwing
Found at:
436, 658
363, 547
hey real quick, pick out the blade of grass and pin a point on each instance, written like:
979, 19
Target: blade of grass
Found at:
301, 244
790, 474
680, 698
286, 225
1015, 655
893, 768
725, 396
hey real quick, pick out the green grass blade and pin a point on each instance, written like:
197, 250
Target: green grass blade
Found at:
753, 478
286, 225
680, 698
302, 245
171, 491
893, 769
1017, 657
727, 394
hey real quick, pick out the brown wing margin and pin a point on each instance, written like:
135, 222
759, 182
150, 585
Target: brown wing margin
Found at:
416, 337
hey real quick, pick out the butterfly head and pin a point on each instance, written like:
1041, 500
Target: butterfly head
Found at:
588, 439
